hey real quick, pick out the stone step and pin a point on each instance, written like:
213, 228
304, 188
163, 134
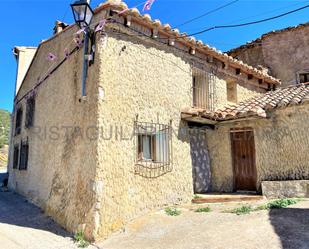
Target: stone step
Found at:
217, 198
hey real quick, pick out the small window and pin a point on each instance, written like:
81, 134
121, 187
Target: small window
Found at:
18, 120
153, 143
200, 89
30, 112
231, 92
24, 150
16, 157
303, 77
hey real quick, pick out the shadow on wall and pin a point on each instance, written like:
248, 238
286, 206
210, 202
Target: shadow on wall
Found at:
292, 227
15, 210
200, 161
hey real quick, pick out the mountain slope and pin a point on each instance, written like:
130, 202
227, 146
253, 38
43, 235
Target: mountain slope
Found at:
4, 127
4, 137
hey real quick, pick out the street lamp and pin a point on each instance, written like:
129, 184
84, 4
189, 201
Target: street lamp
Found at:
83, 14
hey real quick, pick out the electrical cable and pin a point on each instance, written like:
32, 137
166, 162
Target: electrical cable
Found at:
207, 13
248, 23
253, 16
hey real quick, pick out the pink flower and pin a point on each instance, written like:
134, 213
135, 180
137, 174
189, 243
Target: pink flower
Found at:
51, 57
148, 5
66, 52
100, 25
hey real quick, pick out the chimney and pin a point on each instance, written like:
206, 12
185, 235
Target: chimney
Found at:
59, 26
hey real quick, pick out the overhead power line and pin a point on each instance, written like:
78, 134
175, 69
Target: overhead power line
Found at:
248, 23
253, 16
207, 13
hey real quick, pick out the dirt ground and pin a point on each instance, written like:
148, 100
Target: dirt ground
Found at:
24, 226
282, 228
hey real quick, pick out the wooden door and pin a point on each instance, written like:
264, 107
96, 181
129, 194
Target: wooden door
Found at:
243, 156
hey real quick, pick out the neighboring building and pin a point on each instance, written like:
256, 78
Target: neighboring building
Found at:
95, 163
24, 56
283, 53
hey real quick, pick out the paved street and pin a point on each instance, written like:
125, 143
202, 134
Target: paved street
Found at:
276, 229
24, 226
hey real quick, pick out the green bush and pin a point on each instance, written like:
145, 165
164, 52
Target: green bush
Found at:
79, 238
281, 203
203, 210
172, 211
242, 210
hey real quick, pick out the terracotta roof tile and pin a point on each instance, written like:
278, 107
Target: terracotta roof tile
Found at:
259, 105
175, 32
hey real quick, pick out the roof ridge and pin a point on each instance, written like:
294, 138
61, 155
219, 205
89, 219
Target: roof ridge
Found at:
224, 57
257, 41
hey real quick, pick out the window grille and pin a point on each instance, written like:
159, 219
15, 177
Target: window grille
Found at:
153, 149
18, 120
203, 89
30, 112
16, 156
24, 150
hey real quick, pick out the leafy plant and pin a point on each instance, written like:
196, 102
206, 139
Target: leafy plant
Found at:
203, 210
197, 197
172, 211
79, 238
262, 207
281, 203
4, 127
242, 210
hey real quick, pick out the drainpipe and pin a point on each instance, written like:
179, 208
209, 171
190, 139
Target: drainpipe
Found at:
85, 63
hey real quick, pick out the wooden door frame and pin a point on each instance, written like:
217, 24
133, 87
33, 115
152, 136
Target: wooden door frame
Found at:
243, 129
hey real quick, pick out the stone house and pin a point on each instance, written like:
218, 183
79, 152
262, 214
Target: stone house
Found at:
153, 129
284, 54
262, 139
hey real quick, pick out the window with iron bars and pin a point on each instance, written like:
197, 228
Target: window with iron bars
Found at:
16, 156
18, 120
153, 148
24, 151
203, 89
30, 112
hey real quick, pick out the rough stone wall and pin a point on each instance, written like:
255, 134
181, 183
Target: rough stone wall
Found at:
244, 92
61, 166
252, 55
281, 145
138, 79
285, 53
285, 189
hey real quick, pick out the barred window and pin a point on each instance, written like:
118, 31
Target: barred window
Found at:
203, 90
153, 148
24, 150
18, 120
16, 156
30, 112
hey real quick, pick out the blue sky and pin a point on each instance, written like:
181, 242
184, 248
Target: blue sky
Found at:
26, 23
